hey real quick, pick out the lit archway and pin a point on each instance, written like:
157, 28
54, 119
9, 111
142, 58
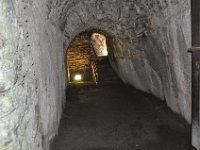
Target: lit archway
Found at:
87, 54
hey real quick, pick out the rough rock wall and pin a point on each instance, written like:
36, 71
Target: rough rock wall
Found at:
32, 75
78, 54
149, 43
149, 39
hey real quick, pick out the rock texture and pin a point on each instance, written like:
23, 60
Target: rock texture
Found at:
78, 54
32, 75
99, 43
149, 40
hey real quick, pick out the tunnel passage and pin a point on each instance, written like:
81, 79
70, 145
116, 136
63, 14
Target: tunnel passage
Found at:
152, 39
87, 60
119, 118
113, 117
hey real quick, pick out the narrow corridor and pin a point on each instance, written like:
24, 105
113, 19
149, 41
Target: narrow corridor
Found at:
119, 118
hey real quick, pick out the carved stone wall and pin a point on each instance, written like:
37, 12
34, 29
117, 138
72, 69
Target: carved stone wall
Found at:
149, 40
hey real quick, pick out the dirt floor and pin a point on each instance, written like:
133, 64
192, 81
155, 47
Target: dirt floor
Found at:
119, 118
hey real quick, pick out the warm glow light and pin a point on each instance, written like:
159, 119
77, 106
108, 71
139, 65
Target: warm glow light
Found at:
99, 43
78, 77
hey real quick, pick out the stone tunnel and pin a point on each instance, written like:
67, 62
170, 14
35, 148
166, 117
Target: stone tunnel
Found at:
147, 50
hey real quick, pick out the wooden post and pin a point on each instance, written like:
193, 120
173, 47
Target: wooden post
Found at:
68, 73
195, 96
195, 50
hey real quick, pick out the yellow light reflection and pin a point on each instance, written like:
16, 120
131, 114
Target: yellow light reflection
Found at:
78, 77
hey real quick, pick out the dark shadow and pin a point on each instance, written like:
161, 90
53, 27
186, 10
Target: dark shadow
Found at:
120, 118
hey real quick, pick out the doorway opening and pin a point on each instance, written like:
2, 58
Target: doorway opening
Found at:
87, 60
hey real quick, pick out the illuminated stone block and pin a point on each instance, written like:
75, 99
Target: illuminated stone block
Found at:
99, 43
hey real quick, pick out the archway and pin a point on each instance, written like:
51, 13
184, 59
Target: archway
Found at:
112, 117
89, 58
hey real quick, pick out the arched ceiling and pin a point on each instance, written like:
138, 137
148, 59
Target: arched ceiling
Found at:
144, 33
